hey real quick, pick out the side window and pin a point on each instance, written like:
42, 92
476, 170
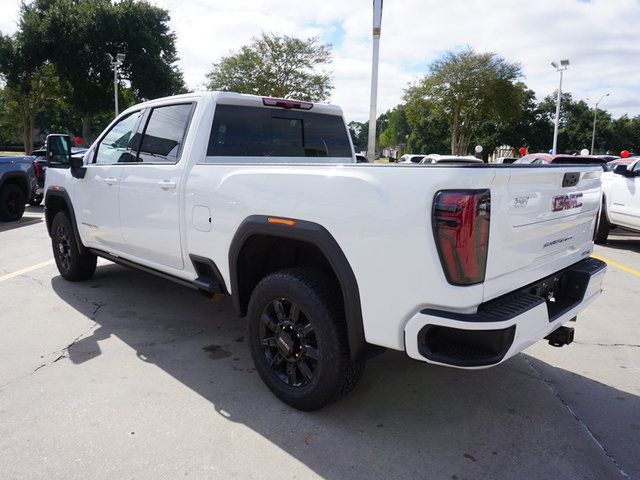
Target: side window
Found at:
164, 134
118, 144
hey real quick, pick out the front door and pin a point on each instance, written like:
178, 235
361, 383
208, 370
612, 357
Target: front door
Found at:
625, 206
97, 202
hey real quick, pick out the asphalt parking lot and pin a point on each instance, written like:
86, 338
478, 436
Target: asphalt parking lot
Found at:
127, 376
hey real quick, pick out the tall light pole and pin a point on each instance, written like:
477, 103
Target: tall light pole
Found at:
560, 68
115, 64
595, 114
377, 26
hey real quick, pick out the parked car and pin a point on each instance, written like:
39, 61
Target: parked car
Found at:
504, 160
361, 158
410, 158
435, 158
611, 164
620, 199
560, 159
18, 183
41, 160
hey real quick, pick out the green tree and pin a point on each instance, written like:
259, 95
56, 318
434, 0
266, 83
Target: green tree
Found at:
575, 124
359, 134
281, 67
467, 89
532, 130
622, 133
429, 134
397, 129
10, 121
76, 35
27, 86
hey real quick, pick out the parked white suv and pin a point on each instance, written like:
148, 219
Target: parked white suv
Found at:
620, 200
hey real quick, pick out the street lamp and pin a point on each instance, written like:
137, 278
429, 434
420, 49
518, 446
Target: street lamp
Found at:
377, 26
595, 114
560, 68
115, 63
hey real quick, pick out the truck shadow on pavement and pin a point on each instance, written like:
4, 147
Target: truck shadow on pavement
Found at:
23, 222
628, 242
404, 420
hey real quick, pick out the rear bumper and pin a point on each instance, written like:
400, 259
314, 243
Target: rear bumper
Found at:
507, 325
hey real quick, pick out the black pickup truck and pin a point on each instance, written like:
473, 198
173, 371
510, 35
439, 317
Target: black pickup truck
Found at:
18, 184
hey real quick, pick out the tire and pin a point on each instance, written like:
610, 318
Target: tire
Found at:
603, 227
71, 264
12, 201
298, 340
37, 200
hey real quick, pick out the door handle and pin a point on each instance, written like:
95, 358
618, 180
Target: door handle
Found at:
111, 181
167, 184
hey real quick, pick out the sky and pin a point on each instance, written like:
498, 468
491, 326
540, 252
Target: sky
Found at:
599, 37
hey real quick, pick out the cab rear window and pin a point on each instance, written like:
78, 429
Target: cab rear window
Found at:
241, 131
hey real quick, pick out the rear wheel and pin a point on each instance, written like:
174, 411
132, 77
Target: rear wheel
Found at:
71, 264
12, 202
36, 200
298, 340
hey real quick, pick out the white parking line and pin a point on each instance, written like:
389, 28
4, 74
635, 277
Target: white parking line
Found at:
27, 270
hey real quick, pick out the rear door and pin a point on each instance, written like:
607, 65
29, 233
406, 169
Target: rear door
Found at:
542, 220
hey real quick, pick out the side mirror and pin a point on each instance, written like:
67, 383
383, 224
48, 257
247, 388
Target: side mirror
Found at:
621, 170
58, 151
78, 170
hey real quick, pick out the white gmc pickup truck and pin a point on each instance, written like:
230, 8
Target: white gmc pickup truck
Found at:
330, 260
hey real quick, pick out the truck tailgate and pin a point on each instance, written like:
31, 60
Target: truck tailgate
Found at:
542, 220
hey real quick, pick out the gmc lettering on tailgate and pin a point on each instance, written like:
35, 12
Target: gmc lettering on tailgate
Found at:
566, 202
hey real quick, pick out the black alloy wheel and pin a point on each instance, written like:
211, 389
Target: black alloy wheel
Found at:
62, 246
298, 338
289, 342
71, 264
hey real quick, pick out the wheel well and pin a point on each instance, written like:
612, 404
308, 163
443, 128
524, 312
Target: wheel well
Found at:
18, 181
261, 255
261, 247
53, 205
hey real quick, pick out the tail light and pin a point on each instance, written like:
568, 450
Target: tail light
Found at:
36, 167
461, 230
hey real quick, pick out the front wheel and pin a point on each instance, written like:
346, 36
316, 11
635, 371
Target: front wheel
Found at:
298, 340
71, 264
603, 227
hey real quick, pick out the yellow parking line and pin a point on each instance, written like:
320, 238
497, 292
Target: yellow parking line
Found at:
617, 265
26, 270
37, 220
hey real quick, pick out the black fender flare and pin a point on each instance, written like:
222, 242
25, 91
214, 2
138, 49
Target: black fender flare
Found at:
319, 237
23, 181
61, 193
